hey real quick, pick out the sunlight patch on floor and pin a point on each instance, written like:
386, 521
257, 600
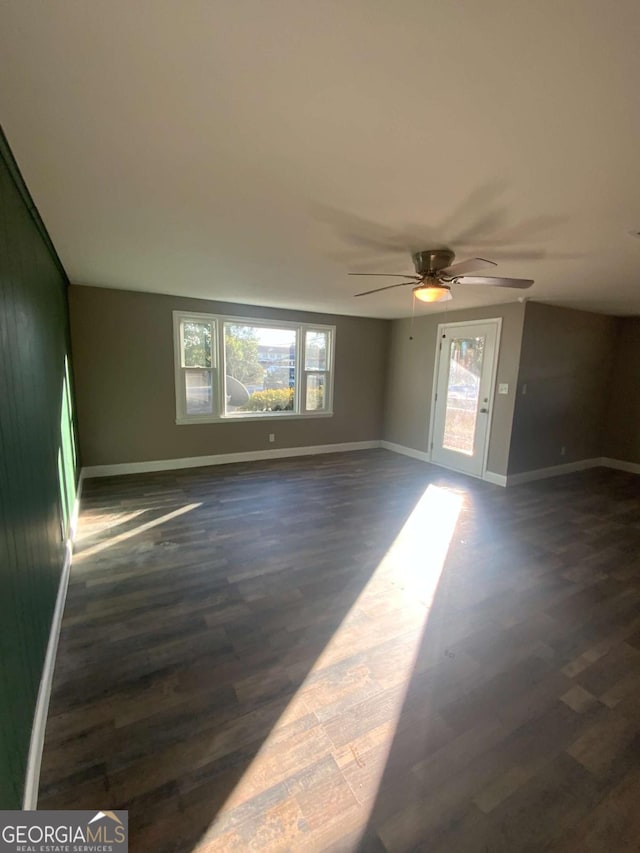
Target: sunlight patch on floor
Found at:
135, 531
360, 662
96, 527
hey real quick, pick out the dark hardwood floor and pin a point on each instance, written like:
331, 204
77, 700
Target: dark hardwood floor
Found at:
292, 655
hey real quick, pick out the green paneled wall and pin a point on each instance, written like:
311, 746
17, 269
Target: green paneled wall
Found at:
37, 463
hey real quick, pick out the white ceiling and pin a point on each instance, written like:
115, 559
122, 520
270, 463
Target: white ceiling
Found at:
249, 150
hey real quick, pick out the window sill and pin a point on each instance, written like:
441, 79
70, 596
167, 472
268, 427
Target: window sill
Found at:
278, 416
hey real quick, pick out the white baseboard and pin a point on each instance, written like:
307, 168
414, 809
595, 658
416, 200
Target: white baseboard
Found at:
553, 471
570, 467
73, 523
36, 744
405, 451
496, 479
223, 459
32, 780
423, 456
621, 465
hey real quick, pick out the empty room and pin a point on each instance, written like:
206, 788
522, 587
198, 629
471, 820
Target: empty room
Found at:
320, 426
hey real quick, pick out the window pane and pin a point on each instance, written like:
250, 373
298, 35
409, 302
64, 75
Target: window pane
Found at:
465, 368
315, 392
316, 347
196, 344
199, 392
260, 368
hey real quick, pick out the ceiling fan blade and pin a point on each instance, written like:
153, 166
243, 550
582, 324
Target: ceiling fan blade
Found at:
520, 283
388, 287
389, 275
464, 267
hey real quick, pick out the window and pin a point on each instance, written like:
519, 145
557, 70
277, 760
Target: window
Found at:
235, 368
260, 368
316, 368
197, 366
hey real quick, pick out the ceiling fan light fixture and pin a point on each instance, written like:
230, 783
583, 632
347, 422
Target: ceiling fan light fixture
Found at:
432, 292
435, 274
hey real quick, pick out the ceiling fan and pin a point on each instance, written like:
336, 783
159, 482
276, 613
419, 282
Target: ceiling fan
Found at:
436, 272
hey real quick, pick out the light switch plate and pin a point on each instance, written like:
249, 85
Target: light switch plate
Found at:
503, 388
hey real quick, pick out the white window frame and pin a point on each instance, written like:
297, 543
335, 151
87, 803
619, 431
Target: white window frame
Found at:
218, 369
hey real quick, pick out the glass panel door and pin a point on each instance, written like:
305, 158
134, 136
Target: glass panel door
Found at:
464, 393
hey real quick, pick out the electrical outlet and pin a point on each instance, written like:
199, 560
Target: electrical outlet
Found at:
524, 388
563, 450
503, 388
272, 436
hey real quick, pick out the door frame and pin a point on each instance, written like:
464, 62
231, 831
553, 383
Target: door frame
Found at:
497, 322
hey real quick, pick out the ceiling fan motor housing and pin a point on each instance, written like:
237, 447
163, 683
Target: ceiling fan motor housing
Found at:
432, 260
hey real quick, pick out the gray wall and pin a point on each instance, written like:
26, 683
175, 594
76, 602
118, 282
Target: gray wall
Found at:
575, 398
410, 378
123, 352
565, 365
37, 463
621, 431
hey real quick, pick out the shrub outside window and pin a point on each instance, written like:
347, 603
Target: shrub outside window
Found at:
230, 368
